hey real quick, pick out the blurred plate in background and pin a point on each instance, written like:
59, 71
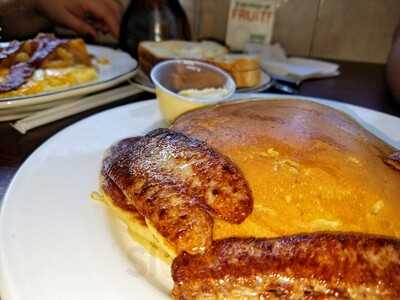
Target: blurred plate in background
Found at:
120, 68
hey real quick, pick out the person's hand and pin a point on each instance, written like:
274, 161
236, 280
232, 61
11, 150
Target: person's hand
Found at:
85, 17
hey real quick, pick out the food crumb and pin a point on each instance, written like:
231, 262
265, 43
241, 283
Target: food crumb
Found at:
103, 61
325, 224
96, 196
377, 207
354, 160
272, 152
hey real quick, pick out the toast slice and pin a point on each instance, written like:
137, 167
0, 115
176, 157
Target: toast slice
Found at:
244, 68
150, 53
234, 63
247, 79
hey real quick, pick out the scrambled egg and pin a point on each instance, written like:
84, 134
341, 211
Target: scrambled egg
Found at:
145, 234
45, 80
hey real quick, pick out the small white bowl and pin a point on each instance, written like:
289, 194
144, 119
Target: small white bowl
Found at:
173, 76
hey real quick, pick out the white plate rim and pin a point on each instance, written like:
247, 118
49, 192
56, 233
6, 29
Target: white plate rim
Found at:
332, 103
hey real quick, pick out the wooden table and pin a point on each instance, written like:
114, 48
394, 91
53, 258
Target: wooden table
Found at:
359, 83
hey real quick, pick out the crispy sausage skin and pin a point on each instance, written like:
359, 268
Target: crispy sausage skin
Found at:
309, 266
179, 185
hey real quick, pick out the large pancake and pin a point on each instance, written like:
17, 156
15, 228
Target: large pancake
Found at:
310, 168
263, 199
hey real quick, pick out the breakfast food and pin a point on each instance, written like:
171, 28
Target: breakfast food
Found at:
43, 64
324, 171
244, 68
151, 53
284, 198
309, 266
179, 207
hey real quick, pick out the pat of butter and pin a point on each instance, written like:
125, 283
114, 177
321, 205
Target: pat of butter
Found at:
208, 93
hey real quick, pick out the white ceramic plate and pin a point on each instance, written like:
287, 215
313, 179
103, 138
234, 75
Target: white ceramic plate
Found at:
120, 68
56, 243
22, 111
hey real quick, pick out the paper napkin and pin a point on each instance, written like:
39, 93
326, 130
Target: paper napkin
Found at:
294, 69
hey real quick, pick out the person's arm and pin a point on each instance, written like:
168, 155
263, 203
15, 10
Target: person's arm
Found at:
393, 66
85, 17
19, 20
10, 7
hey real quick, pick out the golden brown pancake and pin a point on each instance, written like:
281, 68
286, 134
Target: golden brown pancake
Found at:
275, 198
310, 168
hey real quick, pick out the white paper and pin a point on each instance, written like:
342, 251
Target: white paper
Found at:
276, 63
250, 21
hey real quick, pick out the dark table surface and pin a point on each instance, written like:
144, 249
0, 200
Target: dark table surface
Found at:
359, 83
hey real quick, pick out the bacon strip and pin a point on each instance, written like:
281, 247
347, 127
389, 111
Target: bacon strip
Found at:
46, 44
10, 49
18, 75
309, 266
21, 72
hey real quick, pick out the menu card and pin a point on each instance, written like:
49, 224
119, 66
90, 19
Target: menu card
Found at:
250, 21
